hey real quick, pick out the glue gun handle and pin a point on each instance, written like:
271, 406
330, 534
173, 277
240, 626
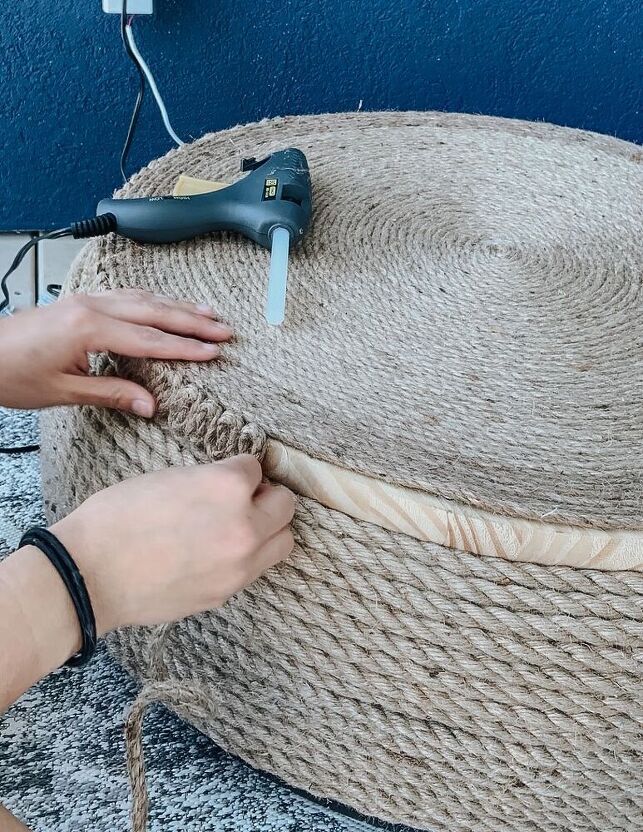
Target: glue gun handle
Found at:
160, 219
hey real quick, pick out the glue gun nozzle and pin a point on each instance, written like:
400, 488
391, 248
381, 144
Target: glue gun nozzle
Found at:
278, 277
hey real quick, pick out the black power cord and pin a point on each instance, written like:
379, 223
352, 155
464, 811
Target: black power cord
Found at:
94, 227
20, 256
26, 449
139, 98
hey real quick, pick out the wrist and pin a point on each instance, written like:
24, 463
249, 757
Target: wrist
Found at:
76, 536
39, 619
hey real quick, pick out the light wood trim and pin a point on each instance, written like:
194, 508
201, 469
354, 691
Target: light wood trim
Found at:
457, 526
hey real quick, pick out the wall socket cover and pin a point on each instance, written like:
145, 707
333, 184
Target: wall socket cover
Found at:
133, 6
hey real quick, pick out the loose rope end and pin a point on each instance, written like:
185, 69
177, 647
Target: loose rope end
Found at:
165, 693
136, 761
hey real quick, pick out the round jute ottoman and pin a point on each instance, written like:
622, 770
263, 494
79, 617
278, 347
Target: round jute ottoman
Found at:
456, 394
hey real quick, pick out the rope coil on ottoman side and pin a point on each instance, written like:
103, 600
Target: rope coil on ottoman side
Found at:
523, 725
486, 352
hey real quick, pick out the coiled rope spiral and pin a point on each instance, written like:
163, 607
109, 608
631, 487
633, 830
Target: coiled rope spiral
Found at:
464, 319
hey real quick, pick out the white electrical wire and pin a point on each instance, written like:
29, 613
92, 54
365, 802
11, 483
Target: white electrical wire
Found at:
153, 87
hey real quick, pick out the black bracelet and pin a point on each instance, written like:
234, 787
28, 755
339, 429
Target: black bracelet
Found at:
64, 564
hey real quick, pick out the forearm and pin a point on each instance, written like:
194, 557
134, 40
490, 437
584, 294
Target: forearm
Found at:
10, 824
38, 624
4, 395
38, 632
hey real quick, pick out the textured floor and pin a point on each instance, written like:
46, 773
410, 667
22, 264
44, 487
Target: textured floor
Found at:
61, 746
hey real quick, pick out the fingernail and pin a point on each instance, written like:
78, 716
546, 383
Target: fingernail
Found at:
143, 408
223, 329
204, 309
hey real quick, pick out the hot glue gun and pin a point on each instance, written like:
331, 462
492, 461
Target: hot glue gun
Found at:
272, 205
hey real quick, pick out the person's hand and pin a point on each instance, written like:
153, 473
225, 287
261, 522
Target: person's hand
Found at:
152, 549
163, 546
44, 352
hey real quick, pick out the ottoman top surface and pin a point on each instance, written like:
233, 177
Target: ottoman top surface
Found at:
464, 316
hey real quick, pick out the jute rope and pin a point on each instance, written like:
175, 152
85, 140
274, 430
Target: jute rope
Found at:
464, 319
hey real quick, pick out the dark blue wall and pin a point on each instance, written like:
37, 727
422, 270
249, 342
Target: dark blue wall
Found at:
66, 89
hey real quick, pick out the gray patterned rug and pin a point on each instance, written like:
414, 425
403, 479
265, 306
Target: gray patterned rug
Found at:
62, 755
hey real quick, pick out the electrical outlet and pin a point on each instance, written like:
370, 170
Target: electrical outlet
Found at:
133, 6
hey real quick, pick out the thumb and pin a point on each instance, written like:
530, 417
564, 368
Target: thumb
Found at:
115, 393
